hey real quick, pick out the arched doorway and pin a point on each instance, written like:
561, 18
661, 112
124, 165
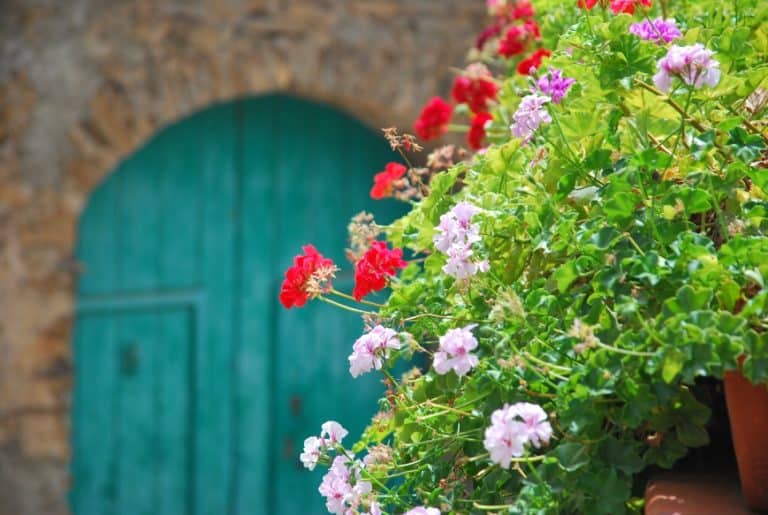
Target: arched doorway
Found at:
194, 389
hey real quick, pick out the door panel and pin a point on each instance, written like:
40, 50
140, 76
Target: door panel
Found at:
132, 440
194, 388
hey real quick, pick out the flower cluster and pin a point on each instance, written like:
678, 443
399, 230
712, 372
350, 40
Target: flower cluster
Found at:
455, 236
385, 182
692, 64
477, 129
659, 30
378, 264
512, 428
455, 351
554, 85
345, 493
617, 6
331, 433
433, 120
530, 114
510, 10
475, 87
362, 230
517, 38
309, 277
371, 349
422, 510
531, 63
516, 31
503, 12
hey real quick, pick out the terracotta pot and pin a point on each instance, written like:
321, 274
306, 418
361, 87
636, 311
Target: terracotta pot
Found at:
748, 414
710, 490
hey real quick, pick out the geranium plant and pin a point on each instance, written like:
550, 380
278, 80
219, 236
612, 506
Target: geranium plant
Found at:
567, 283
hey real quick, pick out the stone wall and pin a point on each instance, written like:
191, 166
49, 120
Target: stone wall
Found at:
84, 82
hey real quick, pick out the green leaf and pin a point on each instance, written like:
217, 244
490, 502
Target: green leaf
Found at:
621, 207
621, 454
672, 364
689, 299
694, 200
691, 435
571, 456
746, 147
565, 184
565, 275
730, 123
599, 160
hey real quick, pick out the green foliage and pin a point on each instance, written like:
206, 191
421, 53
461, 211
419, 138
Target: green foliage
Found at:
639, 215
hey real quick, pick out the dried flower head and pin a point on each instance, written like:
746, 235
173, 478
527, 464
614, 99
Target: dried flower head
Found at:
756, 101
506, 305
363, 231
320, 281
405, 142
585, 334
441, 158
378, 455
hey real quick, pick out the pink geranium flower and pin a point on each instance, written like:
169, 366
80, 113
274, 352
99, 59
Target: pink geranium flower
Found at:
512, 427
691, 64
371, 349
455, 351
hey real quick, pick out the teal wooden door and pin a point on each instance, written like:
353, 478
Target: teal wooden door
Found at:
194, 389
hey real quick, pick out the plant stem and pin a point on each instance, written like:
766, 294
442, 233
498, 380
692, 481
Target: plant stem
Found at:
492, 507
547, 363
675, 105
361, 301
683, 116
625, 351
345, 307
634, 243
389, 376
442, 317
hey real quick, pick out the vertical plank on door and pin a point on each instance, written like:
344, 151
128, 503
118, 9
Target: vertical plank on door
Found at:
137, 255
259, 233
299, 175
172, 412
181, 195
94, 436
136, 468
210, 145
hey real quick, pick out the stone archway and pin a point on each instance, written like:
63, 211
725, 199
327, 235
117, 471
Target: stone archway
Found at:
83, 85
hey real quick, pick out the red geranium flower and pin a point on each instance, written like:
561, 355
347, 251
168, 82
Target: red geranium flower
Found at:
628, 6
522, 10
513, 42
487, 33
372, 271
296, 287
433, 120
382, 181
532, 29
587, 4
532, 61
517, 37
475, 88
510, 11
476, 133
